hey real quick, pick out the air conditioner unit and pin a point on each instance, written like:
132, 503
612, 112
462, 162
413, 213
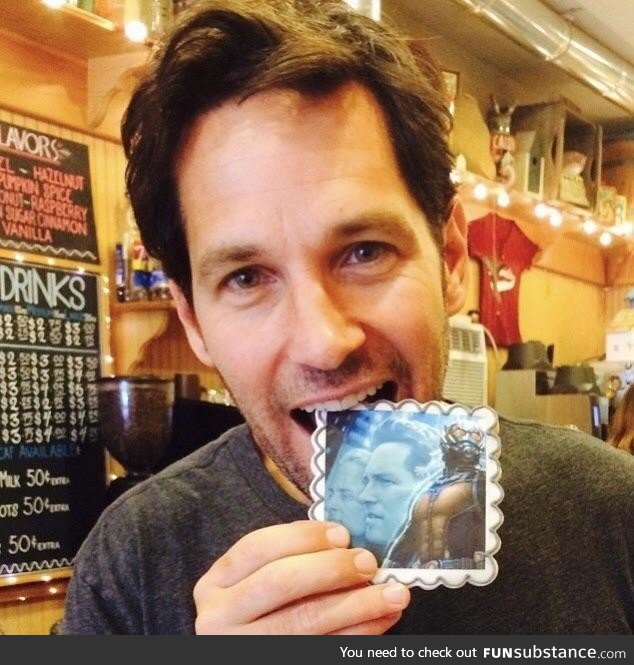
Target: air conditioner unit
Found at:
466, 378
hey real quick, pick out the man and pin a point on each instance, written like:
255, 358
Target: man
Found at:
447, 524
399, 463
288, 165
343, 486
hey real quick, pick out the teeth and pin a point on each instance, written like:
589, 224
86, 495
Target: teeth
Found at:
342, 405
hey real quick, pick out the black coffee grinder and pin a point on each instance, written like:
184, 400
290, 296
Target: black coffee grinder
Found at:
135, 425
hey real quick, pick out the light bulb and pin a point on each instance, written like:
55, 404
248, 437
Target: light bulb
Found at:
480, 191
541, 211
555, 218
371, 8
54, 4
589, 226
503, 199
136, 31
605, 238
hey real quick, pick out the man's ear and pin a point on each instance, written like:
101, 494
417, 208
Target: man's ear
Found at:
188, 318
455, 258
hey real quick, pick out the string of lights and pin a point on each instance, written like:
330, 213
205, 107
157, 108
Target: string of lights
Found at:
559, 215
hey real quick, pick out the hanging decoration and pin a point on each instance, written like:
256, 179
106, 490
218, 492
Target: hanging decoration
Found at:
504, 253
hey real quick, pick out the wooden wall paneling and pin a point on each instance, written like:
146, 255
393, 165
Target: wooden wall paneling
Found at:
571, 257
31, 617
39, 80
615, 299
87, 92
170, 353
563, 311
130, 332
620, 265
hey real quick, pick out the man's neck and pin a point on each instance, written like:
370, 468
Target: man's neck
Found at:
282, 481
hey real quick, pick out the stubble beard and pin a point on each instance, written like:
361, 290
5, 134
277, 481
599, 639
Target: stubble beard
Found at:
291, 462
283, 455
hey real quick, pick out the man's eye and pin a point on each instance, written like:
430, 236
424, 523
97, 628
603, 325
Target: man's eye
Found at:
366, 252
246, 278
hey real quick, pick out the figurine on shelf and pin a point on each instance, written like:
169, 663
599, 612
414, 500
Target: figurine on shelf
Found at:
502, 142
572, 187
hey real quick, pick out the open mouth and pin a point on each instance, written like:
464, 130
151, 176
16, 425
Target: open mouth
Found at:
305, 417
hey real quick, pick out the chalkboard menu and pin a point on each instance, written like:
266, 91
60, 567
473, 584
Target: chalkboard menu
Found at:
52, 477
45, 195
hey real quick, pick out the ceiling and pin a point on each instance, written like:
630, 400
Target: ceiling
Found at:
610, 23
447, 22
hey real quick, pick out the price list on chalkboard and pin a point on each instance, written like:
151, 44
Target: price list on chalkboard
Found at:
51, 464
45, 195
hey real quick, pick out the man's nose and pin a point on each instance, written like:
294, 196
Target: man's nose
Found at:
324, 333
366, 495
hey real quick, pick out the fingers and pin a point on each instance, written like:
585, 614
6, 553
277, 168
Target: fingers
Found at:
285, 581
374, 627
263, 546
297, 578
368, 610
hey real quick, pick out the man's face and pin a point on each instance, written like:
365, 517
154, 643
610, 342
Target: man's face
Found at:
315, 280
342, 497
389, 486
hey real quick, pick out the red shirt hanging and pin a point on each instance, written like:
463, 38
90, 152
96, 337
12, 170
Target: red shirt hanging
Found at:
504, 253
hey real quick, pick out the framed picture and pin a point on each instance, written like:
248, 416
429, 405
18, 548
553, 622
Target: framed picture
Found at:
451, 80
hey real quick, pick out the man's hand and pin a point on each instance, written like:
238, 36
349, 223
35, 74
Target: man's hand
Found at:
296, 578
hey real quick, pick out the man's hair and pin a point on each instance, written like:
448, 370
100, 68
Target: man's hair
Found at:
416, 436
357, 456
354, 455
233, 49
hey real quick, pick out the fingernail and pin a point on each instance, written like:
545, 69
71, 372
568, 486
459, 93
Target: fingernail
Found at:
338, 536
365, 562
396, 594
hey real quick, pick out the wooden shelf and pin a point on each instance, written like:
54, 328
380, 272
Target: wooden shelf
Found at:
522, 206
142, 306
27, 589
73, 31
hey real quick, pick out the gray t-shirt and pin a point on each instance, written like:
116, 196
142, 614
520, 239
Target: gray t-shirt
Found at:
565, 563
